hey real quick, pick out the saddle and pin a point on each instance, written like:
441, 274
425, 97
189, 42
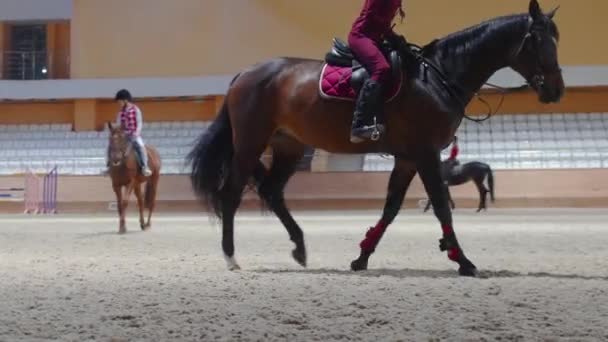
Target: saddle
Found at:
341, 55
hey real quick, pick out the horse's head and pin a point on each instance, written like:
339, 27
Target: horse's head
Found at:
536, 59
118, 145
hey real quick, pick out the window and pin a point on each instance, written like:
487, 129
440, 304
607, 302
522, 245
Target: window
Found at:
26, 59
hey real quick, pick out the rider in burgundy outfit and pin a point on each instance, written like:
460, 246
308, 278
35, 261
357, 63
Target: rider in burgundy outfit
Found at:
455, 150
373, 25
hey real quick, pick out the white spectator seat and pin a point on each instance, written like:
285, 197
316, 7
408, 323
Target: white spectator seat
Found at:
505, 141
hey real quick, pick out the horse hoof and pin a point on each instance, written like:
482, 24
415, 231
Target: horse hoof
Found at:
232, 264
358, 265
468, 269
122, 232
468, 272
299, 256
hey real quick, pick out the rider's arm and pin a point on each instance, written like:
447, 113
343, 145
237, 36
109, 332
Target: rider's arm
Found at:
139, 121
118, 121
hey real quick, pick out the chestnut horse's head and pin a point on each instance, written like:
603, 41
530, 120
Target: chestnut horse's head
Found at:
118, 145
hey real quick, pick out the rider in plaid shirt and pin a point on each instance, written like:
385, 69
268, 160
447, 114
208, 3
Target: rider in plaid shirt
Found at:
131, 121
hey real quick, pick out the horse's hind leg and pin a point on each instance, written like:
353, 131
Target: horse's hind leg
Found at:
401, 177
271, 184
150, 197
241, 170
251, 135
429, 169
140, 205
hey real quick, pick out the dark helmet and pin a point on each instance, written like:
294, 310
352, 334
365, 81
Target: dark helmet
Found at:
123, 94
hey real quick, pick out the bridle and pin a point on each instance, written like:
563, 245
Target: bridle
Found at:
536, 82
124, 152
534, 32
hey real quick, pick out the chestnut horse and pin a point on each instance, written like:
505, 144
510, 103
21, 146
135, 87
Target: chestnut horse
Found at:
125, 174
277, 104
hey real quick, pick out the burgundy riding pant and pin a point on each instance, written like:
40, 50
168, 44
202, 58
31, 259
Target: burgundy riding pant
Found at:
369, 55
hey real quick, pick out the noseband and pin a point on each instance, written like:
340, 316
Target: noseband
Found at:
537, 81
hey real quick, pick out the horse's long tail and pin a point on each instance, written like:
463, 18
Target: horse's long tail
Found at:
491, 183
211, 160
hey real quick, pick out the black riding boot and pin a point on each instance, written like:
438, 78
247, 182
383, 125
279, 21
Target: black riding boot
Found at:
367, 112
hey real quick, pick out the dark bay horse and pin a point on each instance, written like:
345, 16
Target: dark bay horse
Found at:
457, 174
277, 104
125, 174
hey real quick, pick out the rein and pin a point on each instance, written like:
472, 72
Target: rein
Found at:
453, 89
417, 50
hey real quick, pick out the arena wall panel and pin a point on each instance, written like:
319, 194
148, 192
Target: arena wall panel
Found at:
355, 190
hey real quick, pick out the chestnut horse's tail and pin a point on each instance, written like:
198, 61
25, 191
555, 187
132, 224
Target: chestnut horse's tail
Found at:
211, 159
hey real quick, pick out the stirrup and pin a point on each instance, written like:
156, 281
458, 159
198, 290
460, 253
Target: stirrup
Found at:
376, 133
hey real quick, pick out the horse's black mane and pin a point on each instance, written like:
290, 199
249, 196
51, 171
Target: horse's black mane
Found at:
454, 44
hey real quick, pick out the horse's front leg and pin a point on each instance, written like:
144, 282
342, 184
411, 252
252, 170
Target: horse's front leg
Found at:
429, 169
452, 204
121, 209
401, 177
140, 205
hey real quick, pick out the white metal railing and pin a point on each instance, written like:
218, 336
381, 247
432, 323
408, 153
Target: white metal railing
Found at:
34, 65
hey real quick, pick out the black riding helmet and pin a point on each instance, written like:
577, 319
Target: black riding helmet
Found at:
124, 95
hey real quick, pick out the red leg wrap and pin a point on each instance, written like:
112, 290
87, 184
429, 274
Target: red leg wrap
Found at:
372, 237
454, 252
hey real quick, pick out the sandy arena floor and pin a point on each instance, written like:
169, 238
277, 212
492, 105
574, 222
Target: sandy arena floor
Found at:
72, 278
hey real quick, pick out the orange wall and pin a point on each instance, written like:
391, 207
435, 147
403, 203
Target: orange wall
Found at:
36, 113
58, 46
577, 100
2, 47
171, 110
196, 37
92, 114
5, 44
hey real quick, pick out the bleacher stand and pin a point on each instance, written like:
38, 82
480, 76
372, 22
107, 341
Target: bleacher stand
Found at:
41, 147
505, 142
557, 141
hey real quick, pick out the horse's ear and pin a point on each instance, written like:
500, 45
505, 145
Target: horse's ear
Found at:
110, 127
552, 13
535, 11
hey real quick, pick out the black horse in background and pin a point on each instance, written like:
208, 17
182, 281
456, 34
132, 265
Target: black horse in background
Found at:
454, 173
